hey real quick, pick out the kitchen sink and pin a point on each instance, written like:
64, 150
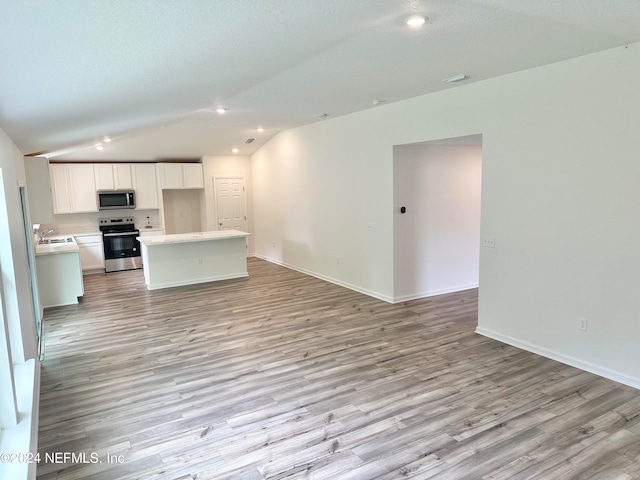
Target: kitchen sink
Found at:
55, 240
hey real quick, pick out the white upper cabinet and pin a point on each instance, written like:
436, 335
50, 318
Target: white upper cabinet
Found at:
170, 175
104, 177
83, 188
192, 174
122, 176
39, 189
60, 189
180, 175
74, 188
145, 185
113, 176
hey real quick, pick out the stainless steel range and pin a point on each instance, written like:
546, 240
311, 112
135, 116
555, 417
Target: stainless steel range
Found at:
121, 246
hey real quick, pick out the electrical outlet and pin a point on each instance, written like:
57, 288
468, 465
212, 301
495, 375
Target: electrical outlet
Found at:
582, 324
200, 261
337, 260
489, 242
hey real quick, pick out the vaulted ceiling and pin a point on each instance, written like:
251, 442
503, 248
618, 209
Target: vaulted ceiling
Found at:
149, 74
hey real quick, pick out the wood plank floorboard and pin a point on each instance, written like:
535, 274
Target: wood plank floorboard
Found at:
284, 376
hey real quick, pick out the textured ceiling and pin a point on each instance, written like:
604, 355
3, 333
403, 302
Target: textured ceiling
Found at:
149, 73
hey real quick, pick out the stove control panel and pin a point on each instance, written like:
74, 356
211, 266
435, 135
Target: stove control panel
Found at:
115, 221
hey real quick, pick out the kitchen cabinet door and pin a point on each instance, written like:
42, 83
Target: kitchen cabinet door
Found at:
177, 176
145, 186
192, 174
91, 252
104, 177
91, 257
171, 175
122, 176
113, 176
83, 188
60, 189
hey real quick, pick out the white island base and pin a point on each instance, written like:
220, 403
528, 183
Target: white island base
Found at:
189, 258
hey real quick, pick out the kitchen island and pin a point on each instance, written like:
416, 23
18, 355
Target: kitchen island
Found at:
188, 258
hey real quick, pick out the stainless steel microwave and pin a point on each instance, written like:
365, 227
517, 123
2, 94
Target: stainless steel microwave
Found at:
116, 199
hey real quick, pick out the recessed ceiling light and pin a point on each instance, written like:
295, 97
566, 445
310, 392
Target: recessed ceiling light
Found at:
455, 78
221, 110
99, 147
260, 129
106, 139
416, 20
377, 102
235, 150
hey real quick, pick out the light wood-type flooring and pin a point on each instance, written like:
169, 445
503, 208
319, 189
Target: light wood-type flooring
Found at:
284, 376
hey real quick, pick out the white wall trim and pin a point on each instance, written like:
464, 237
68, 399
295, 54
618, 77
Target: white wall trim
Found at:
553, 355
23, 437
355, 288
433, 293
35, 415
195, 281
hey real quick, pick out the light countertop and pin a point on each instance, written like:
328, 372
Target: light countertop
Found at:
191, 237
57, 248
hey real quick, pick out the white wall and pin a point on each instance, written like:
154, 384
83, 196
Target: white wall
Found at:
13, 255
182, 211
324, 192
437, 241
560, 194
227, 166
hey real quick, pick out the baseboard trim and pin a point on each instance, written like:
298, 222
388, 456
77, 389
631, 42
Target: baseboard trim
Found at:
182, 283
433, 293
567, 360
355, 288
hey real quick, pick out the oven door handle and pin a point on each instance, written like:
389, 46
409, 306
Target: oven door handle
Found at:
120, 234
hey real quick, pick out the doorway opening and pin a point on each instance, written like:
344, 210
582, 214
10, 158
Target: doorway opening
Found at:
436, 198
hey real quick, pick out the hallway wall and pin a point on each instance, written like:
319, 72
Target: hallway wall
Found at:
437, 241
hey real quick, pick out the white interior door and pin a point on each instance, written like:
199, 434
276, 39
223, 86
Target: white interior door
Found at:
231, 203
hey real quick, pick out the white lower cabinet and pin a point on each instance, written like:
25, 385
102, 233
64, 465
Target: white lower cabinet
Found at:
59, 279
91, 252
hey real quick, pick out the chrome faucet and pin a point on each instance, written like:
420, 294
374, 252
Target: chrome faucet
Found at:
45, 233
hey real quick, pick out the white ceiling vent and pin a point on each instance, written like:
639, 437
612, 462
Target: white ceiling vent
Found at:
249, 140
